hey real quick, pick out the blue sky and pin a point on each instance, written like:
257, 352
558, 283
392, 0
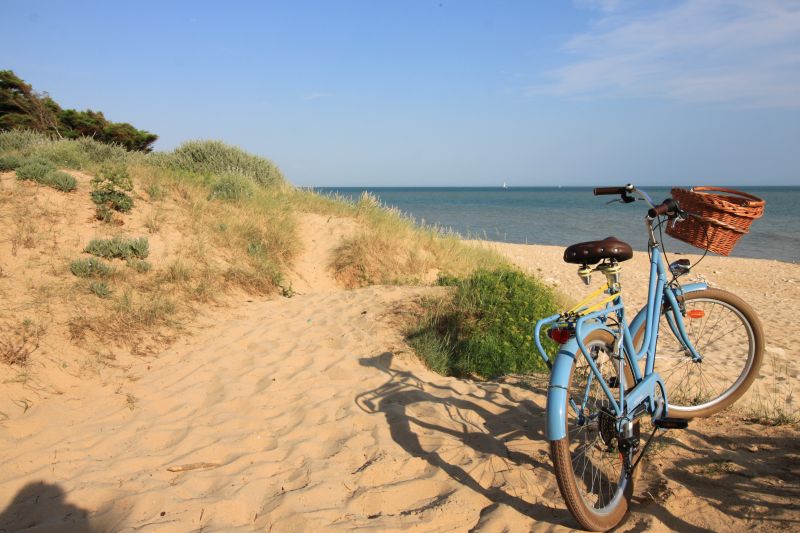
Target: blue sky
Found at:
464, 93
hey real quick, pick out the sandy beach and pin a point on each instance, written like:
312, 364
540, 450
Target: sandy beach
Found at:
312, 413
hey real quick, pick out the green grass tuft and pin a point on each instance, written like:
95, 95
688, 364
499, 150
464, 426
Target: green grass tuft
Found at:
61, 181
231, 188
44, 172
485, 327
119, 247
139, 265
100, 289
217, 158
34, 169
9, 162
91, 268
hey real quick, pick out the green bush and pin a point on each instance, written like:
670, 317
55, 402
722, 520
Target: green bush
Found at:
61, 181
34, 169
217, 158
485, 327
42, 171
232, 188
9, 162
91, 268
109, 186
119, 247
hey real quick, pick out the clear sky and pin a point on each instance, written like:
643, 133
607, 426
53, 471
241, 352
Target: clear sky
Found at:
405, 93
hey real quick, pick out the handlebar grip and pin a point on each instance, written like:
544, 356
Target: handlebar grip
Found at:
598, 191
667, 207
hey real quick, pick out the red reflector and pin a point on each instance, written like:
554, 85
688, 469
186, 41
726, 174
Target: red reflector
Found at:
560, 335
696, 313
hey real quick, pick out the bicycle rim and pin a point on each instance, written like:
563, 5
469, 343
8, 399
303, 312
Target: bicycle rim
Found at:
589, 467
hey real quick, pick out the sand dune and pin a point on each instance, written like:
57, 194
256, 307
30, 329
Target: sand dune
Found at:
311, 413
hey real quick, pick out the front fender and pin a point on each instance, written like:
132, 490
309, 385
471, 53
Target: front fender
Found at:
641, 316
559, 383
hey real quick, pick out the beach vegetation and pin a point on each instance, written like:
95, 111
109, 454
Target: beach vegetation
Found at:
484, 326
9, 162
232, 222
19, 340
119, 247
91, 268
100, 289
44, 172
110, 188
391, 248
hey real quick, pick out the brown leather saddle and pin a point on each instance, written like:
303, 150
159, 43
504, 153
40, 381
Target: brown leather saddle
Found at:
589, 253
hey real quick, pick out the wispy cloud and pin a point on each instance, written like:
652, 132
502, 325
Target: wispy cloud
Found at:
317, 95
744, 53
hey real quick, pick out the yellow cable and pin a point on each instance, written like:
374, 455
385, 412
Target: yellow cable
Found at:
588, 299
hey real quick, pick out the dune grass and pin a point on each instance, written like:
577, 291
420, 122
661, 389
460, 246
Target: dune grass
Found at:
44, 172
233, 225
392, 249
119, 247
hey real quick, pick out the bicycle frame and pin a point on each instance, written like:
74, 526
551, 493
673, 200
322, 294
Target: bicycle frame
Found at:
640, 396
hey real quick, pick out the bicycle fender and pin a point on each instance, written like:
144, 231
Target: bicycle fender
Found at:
641, 316
559, 383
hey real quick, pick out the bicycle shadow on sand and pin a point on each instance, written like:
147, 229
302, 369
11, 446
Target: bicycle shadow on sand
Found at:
750, 473
484, 439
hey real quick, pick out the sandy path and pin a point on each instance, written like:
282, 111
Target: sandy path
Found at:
320, 235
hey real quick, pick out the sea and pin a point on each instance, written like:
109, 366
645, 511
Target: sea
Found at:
562, 216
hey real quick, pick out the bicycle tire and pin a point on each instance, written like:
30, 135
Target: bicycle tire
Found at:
609, 509
735, 362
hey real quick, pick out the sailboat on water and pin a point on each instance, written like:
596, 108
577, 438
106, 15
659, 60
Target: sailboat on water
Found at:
504, 185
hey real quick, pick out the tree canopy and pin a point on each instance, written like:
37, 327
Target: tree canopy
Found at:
23, 108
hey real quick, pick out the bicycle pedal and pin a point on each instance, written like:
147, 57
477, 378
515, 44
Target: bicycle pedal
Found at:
671, 423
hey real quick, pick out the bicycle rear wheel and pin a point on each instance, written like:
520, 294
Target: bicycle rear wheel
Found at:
588, 465
729, 337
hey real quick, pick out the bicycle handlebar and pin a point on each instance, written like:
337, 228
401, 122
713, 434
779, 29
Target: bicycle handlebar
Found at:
668, 207
599, 191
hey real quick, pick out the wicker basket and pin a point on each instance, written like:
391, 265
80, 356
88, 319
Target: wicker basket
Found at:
717, 217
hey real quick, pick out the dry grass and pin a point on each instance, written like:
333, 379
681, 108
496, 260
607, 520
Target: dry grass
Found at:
219, 222
18, 341
771, 401
392, 249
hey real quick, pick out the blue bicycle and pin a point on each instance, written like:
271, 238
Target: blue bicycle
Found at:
606, 381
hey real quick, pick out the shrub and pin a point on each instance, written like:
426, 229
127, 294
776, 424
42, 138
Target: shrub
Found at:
109, 187
9, 162
119, 247
34, 169
232, 188
216, 158
61, 181
485, 327
89, 268
42, 171
99, 288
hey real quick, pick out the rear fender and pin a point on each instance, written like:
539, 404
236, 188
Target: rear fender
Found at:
559, 383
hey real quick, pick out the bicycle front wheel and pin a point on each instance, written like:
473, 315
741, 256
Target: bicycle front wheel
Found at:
729, 337
588, 465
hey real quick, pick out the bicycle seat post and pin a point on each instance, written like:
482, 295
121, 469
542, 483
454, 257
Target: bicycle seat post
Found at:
612, 270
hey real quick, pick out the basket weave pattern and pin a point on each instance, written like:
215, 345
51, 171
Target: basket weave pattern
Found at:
718, 217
